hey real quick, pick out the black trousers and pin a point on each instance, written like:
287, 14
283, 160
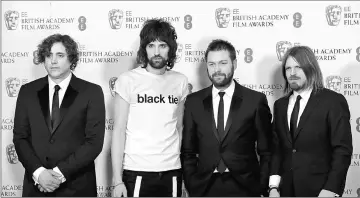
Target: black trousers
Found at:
224, 185
153, 184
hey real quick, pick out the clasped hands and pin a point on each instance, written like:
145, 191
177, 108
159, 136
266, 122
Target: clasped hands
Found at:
49, 181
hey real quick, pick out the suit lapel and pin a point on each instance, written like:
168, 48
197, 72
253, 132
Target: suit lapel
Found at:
234, 109
310, 106
284, 116
235, 105
209, 112
67, 101
43, 95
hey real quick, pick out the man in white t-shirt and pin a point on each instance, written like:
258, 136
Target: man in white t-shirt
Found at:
148, 118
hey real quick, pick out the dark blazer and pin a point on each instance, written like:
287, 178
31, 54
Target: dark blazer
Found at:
320, 154
72, 145
249, 122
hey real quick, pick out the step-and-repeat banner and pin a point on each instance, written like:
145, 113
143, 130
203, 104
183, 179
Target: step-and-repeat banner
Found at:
108, 38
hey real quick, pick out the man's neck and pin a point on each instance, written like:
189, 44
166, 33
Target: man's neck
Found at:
155, 71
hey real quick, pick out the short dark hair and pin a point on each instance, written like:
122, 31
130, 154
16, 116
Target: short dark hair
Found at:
306, 59
70, 45
218, 45
157, 29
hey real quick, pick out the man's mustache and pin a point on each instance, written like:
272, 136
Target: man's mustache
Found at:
294, 78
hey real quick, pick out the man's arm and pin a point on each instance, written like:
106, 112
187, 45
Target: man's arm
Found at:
263, 129
189, 147
118, 144
341, 142
276, 153
22, 135
94, 136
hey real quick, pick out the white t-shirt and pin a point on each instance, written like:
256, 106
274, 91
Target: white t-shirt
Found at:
152, 138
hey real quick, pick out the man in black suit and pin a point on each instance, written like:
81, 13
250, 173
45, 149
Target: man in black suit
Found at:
59, 125
223, 123
312, 134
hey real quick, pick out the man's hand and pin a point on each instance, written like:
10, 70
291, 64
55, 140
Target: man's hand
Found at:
326, 193
41, 188
274, 193
120, 191
49, 180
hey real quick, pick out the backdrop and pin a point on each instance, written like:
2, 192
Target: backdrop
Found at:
108, 36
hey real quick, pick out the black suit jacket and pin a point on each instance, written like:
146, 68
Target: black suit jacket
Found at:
249, 122
72, 145
320, 154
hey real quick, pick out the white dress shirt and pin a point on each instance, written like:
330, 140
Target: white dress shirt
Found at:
305, 95
63, 86
227, 102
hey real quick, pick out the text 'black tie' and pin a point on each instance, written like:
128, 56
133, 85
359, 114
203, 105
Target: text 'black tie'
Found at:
294, 117
55, 110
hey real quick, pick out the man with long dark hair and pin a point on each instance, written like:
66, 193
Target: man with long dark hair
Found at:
312, 134
59, 125
149, 99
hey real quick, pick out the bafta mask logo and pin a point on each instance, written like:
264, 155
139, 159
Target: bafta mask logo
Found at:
179, 52
112, 85
222, 17
12, 86
281, 48
190, 87
333, 15
36, 57
11, 154
11, 19
334, 83
116, 18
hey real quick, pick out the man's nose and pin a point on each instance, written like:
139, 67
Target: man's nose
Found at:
156, 52
53, 59
293, 71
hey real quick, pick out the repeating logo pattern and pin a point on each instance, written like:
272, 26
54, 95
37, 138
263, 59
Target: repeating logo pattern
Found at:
333, 15
222, 17
116, 18
11, 18
11, 155
112, 87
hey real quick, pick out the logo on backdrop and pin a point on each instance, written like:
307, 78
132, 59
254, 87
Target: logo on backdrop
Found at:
222, 17
11, 18
179, 52
11, 155
334, 83
13, 85
343, 85
281, 48
126, 19
190, 87
112, 85
116, 18
333, 15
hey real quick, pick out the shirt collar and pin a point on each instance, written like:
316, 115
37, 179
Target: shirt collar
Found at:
63, 85
304, 94
228, 91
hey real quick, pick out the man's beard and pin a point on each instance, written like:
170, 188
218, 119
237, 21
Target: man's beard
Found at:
225, 82
157, 64
294, 85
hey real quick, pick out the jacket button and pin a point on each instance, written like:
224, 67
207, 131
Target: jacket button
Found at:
294, 150
46, 158
52, 141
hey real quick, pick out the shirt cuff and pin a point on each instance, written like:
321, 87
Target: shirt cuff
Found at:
62, 178
36, 174
274, 180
